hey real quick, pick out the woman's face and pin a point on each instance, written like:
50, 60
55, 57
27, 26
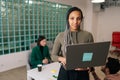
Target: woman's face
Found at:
43, 42
74, 20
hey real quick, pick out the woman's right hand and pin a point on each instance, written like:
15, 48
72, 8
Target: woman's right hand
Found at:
62, 60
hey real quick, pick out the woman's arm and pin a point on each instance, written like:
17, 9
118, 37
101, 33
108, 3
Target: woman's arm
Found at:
92, 70
56, 49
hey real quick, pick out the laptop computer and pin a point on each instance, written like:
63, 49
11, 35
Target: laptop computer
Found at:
86, 55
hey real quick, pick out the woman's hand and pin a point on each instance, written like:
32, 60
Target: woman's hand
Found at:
62, 60
45, 61
81, 69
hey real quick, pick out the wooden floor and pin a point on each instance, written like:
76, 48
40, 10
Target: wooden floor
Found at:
14, 74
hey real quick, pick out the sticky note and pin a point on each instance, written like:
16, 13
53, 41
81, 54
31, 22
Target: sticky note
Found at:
87, 56
53, 71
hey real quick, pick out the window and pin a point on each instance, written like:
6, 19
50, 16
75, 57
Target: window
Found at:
22, 21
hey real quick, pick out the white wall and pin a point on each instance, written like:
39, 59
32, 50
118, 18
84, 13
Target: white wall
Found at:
13, 60
88, 16
108, 21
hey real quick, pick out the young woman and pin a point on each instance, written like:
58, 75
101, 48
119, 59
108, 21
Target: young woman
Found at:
40, 53
72, 35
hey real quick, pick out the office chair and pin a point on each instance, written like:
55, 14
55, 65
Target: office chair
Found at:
116, 43
28, 59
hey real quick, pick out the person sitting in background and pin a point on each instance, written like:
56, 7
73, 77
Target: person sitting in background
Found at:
40, 53
111, 70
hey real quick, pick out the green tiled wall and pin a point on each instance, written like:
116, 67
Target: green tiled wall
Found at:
22, 21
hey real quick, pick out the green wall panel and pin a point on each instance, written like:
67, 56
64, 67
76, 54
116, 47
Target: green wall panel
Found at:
22, 21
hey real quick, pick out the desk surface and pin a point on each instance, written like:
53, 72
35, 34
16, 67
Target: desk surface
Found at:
49, 72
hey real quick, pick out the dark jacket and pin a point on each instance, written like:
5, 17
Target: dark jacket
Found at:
36, 56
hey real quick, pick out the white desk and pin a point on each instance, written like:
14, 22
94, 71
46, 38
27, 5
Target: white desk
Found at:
46, 73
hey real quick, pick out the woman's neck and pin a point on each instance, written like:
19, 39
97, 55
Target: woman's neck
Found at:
74, 30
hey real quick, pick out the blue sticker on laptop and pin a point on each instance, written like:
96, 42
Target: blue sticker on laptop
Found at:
87, 56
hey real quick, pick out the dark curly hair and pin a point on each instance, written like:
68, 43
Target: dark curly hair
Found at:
113, 65
41, 37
